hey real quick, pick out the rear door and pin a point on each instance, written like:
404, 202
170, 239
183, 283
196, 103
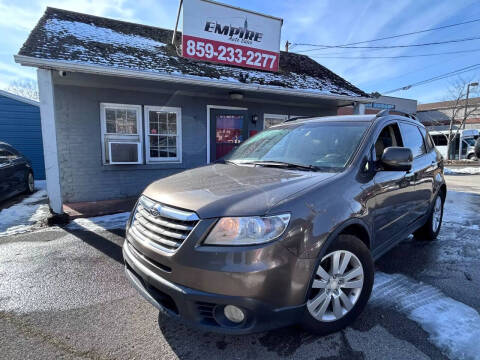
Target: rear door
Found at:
422, 168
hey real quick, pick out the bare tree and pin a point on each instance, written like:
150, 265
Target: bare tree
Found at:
26, 88
460, 111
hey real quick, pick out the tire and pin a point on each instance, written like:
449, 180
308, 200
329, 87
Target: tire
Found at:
29, 183
429, 231
335, 290
472, 157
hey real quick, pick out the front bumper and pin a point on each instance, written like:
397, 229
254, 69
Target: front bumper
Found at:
203, 309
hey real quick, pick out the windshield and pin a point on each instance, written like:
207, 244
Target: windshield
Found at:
321, 145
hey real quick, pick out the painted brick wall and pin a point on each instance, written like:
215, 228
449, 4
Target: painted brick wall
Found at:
83, 177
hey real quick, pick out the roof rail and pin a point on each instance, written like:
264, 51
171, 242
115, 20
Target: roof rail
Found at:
386, 112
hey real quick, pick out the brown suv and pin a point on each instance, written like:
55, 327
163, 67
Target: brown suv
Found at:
286, 227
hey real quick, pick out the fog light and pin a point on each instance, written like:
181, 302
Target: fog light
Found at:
234, 314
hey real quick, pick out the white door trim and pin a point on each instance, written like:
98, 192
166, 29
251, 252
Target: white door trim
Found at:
209, 107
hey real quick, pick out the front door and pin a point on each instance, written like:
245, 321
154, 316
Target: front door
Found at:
228, 128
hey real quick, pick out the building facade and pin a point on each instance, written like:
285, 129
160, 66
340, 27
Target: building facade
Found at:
121, 108
380, 103
437, 115
20, 127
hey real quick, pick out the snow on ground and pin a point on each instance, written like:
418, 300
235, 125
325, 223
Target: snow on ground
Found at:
27, 215
452, 326
466, 170
106, 222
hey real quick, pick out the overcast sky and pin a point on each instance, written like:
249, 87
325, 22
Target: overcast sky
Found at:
305, 21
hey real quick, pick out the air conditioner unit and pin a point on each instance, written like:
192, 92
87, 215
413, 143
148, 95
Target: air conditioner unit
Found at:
122, 152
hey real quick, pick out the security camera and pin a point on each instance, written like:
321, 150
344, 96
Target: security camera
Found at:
62, 73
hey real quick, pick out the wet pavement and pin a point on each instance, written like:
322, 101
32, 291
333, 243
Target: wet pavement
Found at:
63, 294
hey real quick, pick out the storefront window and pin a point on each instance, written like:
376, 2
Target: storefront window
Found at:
121, 133
273, 119
163, 128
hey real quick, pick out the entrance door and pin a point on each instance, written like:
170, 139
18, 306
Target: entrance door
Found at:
228, 128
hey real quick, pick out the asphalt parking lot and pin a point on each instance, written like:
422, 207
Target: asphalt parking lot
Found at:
63, 294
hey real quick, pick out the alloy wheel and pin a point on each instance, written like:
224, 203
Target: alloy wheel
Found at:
437, 214
336, 287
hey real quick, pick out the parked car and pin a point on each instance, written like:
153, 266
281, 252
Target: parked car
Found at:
286, 227
16, 174
463, 145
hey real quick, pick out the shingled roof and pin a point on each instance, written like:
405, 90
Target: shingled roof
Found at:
71, 37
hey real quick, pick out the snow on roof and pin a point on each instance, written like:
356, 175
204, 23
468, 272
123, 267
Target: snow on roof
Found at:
85, 39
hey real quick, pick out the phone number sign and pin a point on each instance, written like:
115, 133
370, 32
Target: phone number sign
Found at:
228, 35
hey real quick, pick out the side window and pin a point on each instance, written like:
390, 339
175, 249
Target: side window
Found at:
412, 139
6, 153
389, 136
427, 139
439, 140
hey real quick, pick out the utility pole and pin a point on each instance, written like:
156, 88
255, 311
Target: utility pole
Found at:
287, 44
466, 102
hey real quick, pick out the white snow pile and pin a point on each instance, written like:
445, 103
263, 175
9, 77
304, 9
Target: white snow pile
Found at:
106, 222
25, 216
89, 32
461, 171
452, 326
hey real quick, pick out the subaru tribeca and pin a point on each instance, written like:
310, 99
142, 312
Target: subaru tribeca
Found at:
286, 227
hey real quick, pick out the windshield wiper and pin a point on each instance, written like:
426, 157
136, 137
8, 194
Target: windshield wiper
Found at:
287, 165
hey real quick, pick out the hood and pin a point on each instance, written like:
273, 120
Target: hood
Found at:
230, 190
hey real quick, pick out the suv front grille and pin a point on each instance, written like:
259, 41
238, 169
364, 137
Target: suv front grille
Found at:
161, 226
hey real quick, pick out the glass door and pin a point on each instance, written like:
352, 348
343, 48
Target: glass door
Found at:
228, 128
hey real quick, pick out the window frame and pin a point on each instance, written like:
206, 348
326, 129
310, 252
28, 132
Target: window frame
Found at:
283, 117
179, 144
115, 137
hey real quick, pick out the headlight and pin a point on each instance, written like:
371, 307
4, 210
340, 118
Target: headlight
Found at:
247, 230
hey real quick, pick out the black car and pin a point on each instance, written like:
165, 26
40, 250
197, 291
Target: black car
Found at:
286, 228
16, 173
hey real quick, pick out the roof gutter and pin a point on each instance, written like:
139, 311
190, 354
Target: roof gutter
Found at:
19, 98
192, 80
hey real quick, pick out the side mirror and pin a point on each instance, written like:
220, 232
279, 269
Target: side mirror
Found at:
397, 159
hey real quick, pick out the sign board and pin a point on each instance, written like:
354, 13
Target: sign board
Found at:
225, 34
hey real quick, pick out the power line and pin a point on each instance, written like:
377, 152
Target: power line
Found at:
392, 57
436, 78
393, 46
400, 35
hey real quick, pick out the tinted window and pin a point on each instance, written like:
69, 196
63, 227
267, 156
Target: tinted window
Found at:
412, 139
328, 145
439, 140
5, 153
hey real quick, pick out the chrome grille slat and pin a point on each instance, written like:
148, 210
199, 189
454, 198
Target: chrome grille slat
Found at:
152, 236
139, 236
161, 226
158, 230
164, 223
